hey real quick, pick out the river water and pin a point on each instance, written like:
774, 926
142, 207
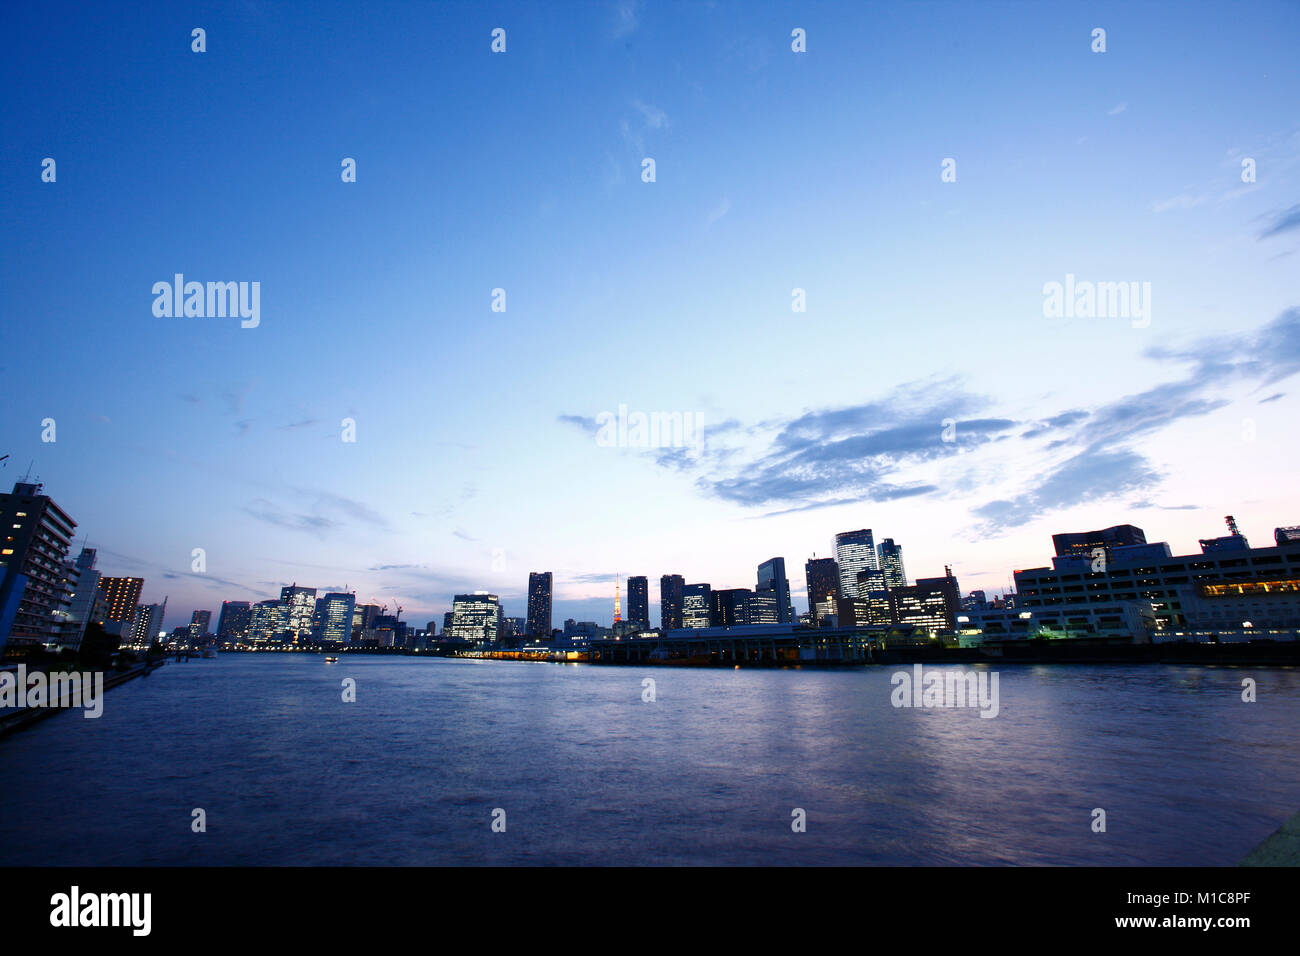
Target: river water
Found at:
587, 771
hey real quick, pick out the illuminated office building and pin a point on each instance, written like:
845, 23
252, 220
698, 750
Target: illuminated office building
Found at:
476, 617
1229, 585
337, 608
233, 622
891, 563
697, 605
300, 609
873, 600
855, 551
932, 603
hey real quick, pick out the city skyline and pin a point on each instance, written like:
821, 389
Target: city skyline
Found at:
328, 614
923, 393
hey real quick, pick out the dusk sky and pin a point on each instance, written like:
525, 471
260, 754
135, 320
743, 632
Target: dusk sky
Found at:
476, 457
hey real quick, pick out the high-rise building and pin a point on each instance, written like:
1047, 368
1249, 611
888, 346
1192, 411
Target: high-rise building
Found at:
539, 605
823, 575
891, 563
86, 605
336, 612
854, 551
771, 577
363, 620
233, 622
929, 603
476, 617
761, 608
62, 612
200, 622
729, 607
267, 619
318, 620
35, 534
120, 596
638, 601
300, 608
1226, 587
148, 623
1086, 543
873, 598
672, 589
697, 606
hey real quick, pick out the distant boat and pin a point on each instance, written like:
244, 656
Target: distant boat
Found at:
331, 660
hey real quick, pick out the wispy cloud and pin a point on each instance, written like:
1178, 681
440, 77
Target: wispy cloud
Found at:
316, 512
579, 421
1182, 201
717, 212
654, 117
633, 131
626, 18
1092, 474
924, 438
1105, 465
1284, 221
271, 514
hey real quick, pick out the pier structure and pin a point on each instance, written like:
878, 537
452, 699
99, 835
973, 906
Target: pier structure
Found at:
780, 645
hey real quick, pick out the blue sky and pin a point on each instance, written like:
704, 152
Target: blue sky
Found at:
476, 460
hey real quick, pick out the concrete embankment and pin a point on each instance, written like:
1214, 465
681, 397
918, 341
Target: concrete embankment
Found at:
1254, 653
1281, 849
11, 722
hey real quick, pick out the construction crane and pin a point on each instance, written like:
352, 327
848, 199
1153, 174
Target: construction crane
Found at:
1232, 526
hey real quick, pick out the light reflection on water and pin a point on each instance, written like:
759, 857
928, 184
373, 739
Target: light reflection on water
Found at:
707, 774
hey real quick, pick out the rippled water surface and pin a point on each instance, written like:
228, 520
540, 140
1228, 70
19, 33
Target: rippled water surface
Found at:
589, 773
